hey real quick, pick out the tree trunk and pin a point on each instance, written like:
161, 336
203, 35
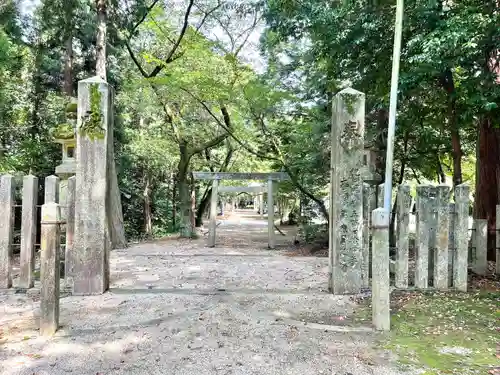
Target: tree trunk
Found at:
101, 39
37, 91
186, 230
448, 84
202, 207
174, 204
382, 121
68, 67
488, 168
193, 204
441, 174
68, 52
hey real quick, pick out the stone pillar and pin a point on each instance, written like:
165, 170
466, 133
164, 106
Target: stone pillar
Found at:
380, 195
49, 269
442, 236
98, 224
403, 228
7, 187
69, 258
51, 189
461, 237
213, 213
422, 240
346, 193
270, 215
479, 251
380, 278
261, 205
498, 240
28, 231
451, 242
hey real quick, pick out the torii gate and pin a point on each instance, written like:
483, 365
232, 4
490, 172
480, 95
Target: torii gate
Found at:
216, 176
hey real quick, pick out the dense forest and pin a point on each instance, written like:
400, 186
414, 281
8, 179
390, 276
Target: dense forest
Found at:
245, 86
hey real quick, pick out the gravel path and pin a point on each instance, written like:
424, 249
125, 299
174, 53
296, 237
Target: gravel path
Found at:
178, 307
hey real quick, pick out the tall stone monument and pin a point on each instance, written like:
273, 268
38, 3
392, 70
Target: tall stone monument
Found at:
346, 193
98, 213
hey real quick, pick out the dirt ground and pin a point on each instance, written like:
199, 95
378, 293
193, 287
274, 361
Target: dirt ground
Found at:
180, 307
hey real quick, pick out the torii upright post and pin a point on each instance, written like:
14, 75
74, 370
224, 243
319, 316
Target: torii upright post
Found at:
213, 212
270, 214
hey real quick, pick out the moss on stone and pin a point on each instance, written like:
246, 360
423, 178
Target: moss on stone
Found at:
350, 101
92, 122
63, 131
71, 107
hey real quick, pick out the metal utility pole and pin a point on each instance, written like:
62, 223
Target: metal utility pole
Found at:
393, 106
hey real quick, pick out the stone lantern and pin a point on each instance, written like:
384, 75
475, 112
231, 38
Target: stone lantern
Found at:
65, 135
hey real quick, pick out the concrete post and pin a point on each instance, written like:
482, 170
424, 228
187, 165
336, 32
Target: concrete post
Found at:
442, 236
69, 258
479, 252
270, 215
380, 263
6, 229
213, 213
422, 241
461, 237
403, 228
28, 231
49, 269
51, 189
346, 193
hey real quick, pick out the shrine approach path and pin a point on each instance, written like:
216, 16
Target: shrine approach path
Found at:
179, 307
